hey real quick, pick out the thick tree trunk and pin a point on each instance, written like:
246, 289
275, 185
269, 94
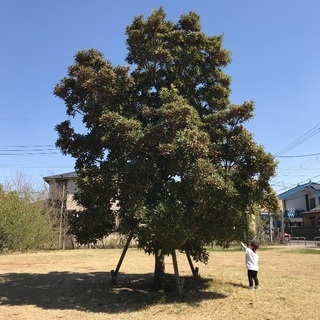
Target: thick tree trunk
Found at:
159, 271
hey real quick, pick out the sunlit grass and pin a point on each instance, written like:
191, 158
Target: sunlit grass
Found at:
77, 285
308, 251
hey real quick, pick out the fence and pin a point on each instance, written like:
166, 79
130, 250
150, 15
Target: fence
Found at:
308, 232
297, 240
317, 241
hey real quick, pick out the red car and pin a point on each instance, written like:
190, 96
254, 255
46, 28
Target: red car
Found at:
287, 237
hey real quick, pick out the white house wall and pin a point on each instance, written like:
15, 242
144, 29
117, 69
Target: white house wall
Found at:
299, 203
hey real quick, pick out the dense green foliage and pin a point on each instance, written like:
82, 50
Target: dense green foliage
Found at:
162, 138
24, 222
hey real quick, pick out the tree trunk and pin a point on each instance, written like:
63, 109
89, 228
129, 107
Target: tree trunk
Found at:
179, 284
114, 273
195, 271
159, 271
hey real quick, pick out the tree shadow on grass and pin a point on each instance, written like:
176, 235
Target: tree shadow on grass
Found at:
94, 292
239, 285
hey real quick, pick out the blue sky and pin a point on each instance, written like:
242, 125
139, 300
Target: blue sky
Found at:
274, 44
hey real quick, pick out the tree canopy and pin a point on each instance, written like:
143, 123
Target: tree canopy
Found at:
162, 138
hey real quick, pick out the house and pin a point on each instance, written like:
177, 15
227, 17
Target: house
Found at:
296, 206
312, 218
62, 188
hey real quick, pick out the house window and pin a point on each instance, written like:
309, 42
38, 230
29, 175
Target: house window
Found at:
318, 221
312, 203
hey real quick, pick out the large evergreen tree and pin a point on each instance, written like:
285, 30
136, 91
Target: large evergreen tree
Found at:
162, 138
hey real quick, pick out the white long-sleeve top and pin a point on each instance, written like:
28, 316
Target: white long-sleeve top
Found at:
252, 258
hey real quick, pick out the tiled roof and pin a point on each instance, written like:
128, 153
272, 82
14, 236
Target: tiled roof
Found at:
62, 176
314, 210
315, 187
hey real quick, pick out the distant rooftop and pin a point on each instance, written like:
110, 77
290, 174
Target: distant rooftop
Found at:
314, 210
62, 176
315, 187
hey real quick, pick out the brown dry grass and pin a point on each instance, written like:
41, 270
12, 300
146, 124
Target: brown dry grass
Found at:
75, 285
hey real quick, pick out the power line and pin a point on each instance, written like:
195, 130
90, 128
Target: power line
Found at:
32, 146
19, 150
301, 166
299, 156
315, 130
28, 119
298, 183
23, 150
27, 153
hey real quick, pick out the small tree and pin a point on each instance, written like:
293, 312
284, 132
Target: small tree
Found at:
25, 220
58, 202
162, 138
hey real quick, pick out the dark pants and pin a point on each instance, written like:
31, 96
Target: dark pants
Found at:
253, 276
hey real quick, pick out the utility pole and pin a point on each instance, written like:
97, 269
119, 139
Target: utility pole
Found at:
270, 227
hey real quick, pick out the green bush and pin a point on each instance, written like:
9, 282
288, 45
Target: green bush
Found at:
25, 222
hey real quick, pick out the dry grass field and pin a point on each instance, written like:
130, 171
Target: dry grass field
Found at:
75, 285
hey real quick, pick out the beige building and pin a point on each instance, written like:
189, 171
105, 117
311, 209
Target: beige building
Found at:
62, 188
